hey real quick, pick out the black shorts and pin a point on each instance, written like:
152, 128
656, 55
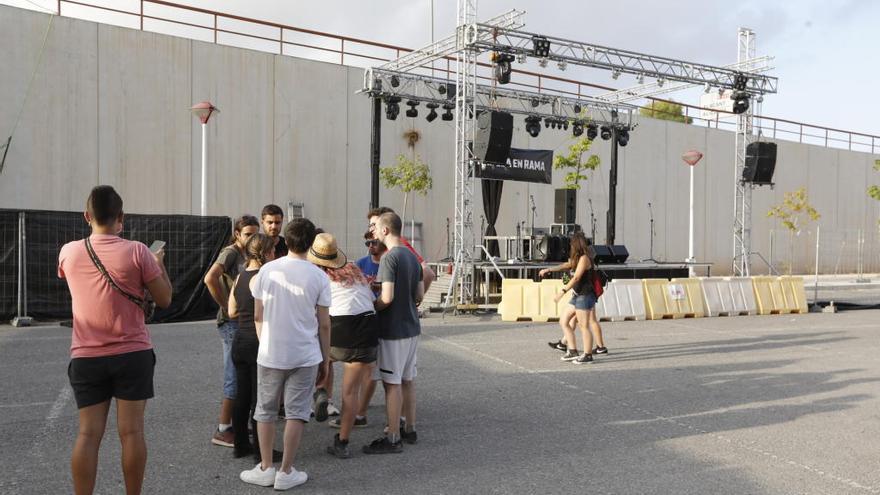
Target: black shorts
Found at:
126, 376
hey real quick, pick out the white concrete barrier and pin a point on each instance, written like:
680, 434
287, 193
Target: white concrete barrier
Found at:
622, 300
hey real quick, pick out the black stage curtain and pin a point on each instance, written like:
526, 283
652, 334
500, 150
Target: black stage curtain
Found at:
491, 204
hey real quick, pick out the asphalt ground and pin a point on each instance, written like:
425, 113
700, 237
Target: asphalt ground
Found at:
741, 405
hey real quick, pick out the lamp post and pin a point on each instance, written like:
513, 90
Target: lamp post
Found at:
691, 158
203, 112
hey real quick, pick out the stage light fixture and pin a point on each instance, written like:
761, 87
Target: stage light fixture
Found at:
577, 109
540, 46
447, 116
395, 81
547, 123
412, 112
592, 132
577, 129
615, 74
640, 79
392, 107
542, 62
740, 82
501, 68
535, 103
521, 58
740, 102
432, 115
622, 137
564, 125
562, 64
706, 88
660, 82
533, 125
605, 133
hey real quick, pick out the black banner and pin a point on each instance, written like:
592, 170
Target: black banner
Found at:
522, 165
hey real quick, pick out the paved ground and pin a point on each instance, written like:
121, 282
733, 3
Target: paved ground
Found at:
746, 405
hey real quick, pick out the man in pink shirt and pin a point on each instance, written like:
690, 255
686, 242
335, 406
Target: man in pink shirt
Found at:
111, 352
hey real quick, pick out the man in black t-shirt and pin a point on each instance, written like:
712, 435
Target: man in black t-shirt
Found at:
272, 218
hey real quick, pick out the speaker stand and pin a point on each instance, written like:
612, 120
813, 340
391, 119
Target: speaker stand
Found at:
651, 243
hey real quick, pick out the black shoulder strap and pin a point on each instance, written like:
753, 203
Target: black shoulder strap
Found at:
136, 300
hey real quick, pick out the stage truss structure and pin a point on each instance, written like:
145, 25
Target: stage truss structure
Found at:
400, 80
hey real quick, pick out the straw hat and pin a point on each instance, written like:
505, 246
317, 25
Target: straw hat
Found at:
324, 252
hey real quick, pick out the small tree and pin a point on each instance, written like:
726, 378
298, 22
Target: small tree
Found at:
575, 160
874, 191
664, 110
409, 175
796, 213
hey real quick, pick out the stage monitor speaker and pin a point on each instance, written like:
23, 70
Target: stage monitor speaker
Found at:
493, 137
602, 254
619, 254
760, 163
565, 206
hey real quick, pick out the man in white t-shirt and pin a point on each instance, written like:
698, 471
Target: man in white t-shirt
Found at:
291, 312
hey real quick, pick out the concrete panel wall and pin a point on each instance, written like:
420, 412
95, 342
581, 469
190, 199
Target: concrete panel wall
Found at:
110, 105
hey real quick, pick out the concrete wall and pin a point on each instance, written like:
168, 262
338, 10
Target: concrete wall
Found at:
110, 105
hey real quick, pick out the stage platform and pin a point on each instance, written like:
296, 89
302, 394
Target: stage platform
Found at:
487, 283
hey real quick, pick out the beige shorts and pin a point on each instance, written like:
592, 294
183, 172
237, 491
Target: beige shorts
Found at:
397, 360
296, 386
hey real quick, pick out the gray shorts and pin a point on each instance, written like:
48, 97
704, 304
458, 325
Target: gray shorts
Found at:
397, 360
296, 386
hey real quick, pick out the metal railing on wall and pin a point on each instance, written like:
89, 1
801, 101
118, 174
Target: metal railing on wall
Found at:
235, 30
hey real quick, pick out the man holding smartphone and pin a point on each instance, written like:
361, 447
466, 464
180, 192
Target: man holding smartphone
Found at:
111, 350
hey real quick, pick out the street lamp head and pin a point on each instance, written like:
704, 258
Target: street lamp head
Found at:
203, 111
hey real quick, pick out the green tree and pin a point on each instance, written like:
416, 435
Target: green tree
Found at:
575, 160
409, 175
796, 213
874, 191
665, 110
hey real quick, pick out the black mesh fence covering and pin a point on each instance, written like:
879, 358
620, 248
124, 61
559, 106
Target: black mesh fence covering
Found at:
192, 245
8, 262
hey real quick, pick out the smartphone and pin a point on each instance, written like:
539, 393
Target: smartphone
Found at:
157, 246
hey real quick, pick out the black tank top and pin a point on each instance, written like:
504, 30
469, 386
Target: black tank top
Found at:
584, 286
245, 301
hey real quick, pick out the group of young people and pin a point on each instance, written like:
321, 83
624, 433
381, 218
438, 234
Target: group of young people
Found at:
290, 306
581, 310
290, 302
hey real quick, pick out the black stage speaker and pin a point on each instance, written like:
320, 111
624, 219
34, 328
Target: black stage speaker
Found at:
493, 136
565, 206
619, 254
602, 254
760, 163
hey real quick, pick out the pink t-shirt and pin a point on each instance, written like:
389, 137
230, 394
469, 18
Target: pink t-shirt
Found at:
105, 322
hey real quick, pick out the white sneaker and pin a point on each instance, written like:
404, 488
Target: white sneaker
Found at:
257, 476
332, 410
283, 480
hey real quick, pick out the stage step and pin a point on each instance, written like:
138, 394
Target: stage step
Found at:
434, 297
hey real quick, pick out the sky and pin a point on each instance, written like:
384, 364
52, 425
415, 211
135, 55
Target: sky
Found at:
826, 55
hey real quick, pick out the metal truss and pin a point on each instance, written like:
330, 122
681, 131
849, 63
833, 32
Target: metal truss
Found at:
654, 88
448, 46
742, 217
518, 42
426, 89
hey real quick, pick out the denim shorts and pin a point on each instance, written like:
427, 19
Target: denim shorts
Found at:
584, 302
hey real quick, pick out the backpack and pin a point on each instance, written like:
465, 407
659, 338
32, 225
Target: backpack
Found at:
600, 280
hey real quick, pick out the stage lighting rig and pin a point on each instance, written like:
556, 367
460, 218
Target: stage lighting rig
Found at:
622, 137
577, 129
412, 112
592, 131
533, 125
447, 116
542, 62
740, 102
501, 68
392, 107
432, 115
540, 46
395, 81
605, 133
562, 64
